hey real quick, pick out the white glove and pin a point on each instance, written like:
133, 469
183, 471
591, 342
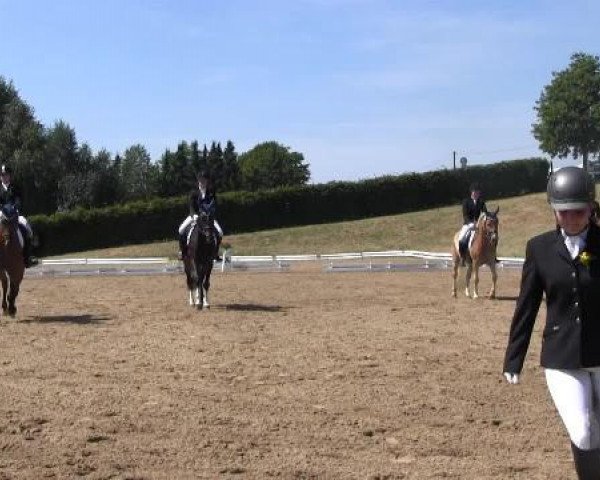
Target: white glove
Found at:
512, 378
195, 218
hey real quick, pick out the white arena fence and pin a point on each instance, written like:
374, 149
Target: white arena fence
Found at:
391, 260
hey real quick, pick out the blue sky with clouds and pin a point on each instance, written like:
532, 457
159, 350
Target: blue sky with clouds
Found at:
361, 88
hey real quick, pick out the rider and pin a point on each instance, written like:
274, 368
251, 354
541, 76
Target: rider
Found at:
11, 194
203, 199
472, 207
562, 265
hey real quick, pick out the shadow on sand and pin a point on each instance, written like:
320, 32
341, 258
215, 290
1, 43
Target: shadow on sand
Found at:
506, 298
86, 319
253, 307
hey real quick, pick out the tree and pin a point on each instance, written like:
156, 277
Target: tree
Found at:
270, 165
231, 168
568, 110
215, 164
136, 173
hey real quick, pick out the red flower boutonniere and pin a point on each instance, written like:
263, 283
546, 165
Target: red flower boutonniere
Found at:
586, 258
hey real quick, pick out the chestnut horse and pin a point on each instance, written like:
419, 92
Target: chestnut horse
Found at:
482, 251
198, 261
12, 265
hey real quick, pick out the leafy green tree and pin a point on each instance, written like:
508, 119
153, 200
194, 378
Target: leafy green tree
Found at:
195, 157
231, 168
270, 165
22, 146
568, 110
215, 164
137, 176
176, 175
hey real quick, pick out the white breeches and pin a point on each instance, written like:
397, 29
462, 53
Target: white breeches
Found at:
576, 395
23, 221
464, 229
186, 223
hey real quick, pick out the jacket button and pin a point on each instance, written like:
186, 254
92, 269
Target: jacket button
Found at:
574, 289
577, 320
573, 274
576, 304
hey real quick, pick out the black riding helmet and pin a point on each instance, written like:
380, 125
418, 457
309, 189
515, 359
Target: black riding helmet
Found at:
570, 188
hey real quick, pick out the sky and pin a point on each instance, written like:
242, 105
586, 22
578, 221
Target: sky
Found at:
360, 88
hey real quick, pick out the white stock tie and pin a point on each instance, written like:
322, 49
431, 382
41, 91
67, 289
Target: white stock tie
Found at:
574, 245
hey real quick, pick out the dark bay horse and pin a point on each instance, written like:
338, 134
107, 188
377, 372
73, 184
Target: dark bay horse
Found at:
12, 265
198, 261
482, 251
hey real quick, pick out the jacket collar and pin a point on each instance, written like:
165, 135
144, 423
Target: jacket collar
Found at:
592, 243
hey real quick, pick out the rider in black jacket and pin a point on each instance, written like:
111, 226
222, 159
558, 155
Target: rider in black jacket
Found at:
11, 194
202, 200
564, 266
472, 207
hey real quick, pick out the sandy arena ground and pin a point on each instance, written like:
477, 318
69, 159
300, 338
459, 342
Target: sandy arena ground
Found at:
294, 375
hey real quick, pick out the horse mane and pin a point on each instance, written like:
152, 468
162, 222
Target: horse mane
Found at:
481, 218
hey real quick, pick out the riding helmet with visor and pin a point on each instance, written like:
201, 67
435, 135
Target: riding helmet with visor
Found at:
570, 188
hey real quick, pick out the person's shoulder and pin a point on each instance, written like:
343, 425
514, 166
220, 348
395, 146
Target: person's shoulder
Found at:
542, 240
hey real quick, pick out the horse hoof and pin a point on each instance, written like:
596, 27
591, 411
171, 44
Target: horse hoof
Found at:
12, 311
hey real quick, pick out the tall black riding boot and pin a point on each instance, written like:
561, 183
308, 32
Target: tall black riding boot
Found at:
587, 463
463, 247
182, 246
218, 240
27, 253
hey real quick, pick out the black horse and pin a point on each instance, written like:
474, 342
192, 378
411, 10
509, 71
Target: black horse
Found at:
198, 261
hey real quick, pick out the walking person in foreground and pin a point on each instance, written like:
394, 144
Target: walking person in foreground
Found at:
564, 264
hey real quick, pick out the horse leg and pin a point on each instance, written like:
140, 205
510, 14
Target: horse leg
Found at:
455, 265
468, 279
4, 281
205, 287
11, 295
12, 299
492, 265
476, 281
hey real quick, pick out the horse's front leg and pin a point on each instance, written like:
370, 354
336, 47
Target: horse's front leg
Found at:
206, 286
455, 265
468, 279
4, 292
476, 281
492, 265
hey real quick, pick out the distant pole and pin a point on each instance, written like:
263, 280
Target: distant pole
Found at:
454, 160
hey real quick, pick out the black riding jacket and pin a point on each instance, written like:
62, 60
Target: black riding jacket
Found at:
471, 210
12, 195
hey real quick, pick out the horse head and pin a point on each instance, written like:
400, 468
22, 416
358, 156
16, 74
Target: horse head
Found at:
487, 225
8, 217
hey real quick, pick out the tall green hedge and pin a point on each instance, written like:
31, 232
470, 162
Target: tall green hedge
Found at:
158, 219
